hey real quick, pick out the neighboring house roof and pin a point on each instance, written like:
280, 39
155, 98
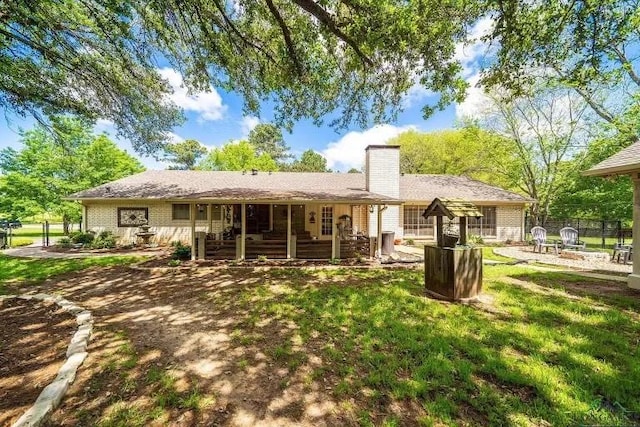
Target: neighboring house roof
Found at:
624, 162
302, 186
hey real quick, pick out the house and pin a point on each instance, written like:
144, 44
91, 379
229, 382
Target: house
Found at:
626, 162
293, 214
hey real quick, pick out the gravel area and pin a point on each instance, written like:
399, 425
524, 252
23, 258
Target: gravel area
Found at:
526, 253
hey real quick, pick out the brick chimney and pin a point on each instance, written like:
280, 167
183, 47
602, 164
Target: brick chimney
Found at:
382, 169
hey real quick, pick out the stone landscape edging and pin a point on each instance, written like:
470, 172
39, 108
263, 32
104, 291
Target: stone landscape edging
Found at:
51, 396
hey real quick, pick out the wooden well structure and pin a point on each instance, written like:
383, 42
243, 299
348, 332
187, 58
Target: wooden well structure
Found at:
452, 271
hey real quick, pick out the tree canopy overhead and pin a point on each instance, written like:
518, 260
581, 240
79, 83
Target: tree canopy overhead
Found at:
355, 58
590, 46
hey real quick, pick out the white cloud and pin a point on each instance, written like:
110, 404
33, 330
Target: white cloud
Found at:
247, 124
207, 104
471, 54
348, 151
416, 94
476, 103
174, 138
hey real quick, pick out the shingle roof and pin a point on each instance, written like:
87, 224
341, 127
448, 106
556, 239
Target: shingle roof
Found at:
170, 184
430, 187
623, 162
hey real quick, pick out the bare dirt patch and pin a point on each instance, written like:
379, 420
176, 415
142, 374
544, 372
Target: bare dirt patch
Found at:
33, 341
169, 349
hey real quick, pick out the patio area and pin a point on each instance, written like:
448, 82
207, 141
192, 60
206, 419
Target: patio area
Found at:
598, 261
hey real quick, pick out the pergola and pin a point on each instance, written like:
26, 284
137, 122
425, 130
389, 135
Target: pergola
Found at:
626, 162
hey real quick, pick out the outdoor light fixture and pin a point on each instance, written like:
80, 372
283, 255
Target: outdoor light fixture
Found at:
312, 217
370, 208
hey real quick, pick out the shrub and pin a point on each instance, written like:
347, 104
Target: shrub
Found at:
105, 240
334, 261
174, 263
410, 242
181, 251
64, 242
262, 258
82, 238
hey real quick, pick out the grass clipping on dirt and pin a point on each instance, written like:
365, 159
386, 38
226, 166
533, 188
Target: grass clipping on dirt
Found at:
550, 349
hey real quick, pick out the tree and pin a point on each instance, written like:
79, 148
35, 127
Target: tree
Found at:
353, 58
594, 197
590, 46
39, 175
546, 131
354, 170
468, 151
267, 139
309, 161
184, 155
239, 156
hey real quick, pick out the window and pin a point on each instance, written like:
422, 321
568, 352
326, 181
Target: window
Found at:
327, 220
415, 224
486, 224
180, 211
201, 212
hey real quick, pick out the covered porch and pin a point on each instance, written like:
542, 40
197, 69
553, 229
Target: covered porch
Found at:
244, 230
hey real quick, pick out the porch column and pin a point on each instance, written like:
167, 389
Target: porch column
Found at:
209, 213
85, 219
243, 230
633, 281
379, 238
192, 216
334, 229
289, 231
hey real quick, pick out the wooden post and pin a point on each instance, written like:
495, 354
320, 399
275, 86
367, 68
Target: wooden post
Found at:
289, 231
633, 281
243, 231
334, 229
193, 231
463, 230
209, 215
439, 227
379, 238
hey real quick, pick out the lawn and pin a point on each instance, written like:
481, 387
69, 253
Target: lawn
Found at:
35, 230
353, 347
21, 271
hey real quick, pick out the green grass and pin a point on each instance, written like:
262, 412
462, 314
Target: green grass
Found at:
21, 241
487, 253
35, 230
17, 270
533, 357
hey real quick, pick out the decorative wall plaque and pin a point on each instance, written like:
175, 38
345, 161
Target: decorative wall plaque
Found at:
132, 217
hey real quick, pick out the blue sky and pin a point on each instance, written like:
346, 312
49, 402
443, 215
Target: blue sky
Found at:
216, 117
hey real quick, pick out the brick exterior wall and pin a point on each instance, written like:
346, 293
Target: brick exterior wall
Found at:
509, 223
104, 217
382, 169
